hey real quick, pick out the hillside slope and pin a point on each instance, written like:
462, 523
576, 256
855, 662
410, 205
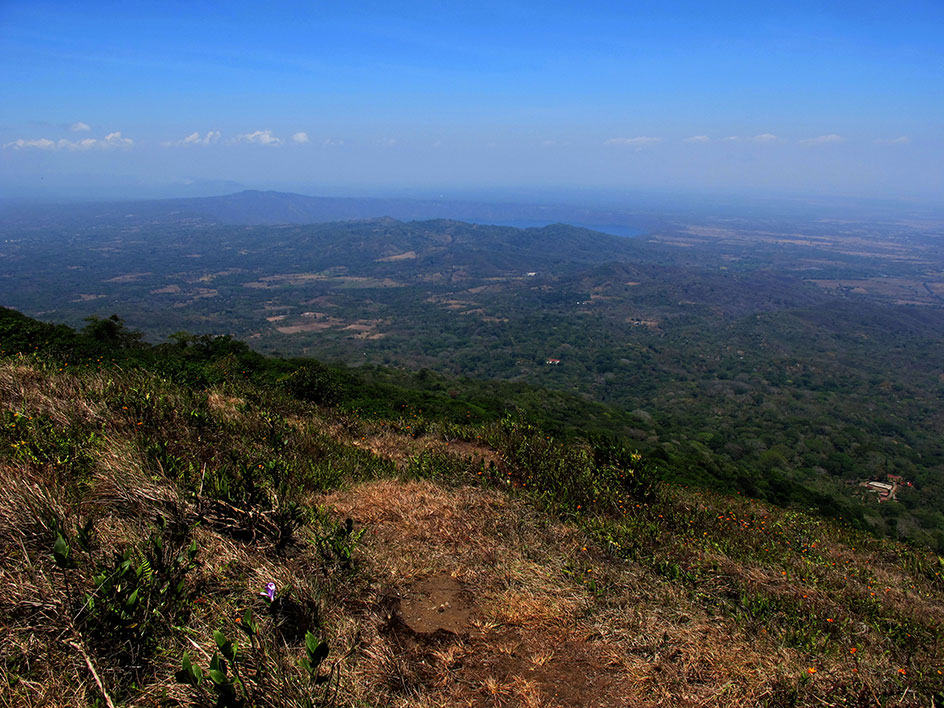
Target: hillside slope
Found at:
484, 564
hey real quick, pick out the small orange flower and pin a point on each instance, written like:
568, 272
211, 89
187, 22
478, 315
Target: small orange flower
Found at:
811, 670
853, 650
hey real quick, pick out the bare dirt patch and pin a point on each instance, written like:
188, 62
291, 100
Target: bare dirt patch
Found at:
319, 322
210, 277
406, 256
436, 604
128, 278
565, 673
306, 327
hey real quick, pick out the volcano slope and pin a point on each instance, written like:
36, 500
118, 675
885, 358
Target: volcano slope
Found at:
412, 562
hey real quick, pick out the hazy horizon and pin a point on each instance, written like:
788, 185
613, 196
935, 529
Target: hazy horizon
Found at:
146, 100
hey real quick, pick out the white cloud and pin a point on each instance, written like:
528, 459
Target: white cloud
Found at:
195, 138
259, 137
301, 138
640, 141
697, 139
110, 141
80, 127
901, 140
84, 144
332, 142
762, 138
39, 144
115, 140
823, 140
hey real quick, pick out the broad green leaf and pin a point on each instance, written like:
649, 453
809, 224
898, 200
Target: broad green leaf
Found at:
218, 677
317, 649
217, 664
311, 642
60, 551
247, 624
227, 648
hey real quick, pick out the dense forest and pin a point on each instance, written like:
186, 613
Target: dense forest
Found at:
746, 357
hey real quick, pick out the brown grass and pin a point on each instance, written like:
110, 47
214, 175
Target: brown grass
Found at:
459, 595
539, 634
44, 660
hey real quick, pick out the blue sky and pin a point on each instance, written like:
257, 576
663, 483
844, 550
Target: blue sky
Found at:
775, 97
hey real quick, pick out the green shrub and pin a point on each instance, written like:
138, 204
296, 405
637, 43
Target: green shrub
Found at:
124, 604
315, 383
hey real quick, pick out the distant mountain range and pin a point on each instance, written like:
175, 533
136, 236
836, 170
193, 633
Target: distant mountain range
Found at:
265, 208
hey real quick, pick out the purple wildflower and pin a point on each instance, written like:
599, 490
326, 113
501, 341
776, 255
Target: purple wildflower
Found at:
269, 591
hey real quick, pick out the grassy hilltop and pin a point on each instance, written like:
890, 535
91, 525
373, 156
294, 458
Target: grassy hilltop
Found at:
193, 524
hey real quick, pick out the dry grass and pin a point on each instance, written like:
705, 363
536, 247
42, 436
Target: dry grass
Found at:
44, 658
57, 394
537, 626
458, 596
